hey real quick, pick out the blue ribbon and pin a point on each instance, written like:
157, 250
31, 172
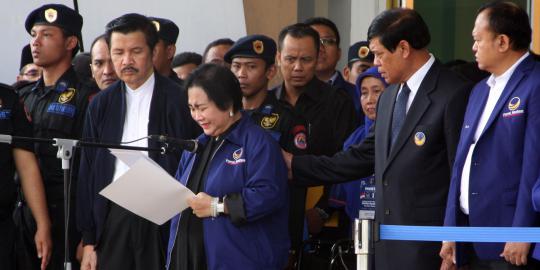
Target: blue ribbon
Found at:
460, 234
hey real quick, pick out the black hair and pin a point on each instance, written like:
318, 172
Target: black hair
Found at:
395, 25
66, 34
98, 38
81, 65
130, 23
299, 30
509, 19
219, 84
217, 42
186, 58
326, 22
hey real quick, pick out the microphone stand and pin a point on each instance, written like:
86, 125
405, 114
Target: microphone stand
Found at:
65, 153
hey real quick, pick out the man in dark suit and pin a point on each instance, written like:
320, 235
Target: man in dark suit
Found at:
411, 148
497, 156
141, 103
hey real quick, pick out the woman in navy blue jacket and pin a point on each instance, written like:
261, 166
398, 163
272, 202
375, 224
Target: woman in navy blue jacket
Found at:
238, 219
359, 195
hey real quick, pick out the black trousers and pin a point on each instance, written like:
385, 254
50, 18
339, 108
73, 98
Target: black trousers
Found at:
7, 243
129, 242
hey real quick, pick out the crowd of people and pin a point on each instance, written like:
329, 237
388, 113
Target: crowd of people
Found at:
281, 171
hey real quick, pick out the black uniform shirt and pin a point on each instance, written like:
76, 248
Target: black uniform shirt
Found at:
280, 121
56, 112
329, 113
12, 122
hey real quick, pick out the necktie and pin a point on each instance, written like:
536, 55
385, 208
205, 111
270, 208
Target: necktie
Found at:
400, 111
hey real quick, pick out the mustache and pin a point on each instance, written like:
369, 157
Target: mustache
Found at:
129, 69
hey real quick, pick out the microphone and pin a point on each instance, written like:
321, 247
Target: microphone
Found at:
188, 145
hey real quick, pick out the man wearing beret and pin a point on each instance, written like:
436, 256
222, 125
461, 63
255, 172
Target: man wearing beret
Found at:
166, 47
252, 61
56, 105
359, 59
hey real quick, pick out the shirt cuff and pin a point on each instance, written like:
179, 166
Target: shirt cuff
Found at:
235, 206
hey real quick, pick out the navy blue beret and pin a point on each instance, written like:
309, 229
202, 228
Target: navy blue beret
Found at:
26, 56
167, 30
56, 15
360, 51
256, 46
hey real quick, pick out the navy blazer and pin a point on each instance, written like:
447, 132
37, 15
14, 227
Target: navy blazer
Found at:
505, 161
104, 123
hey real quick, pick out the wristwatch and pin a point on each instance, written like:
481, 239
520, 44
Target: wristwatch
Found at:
221, 206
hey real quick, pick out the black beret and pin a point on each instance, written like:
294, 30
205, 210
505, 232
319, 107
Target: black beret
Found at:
26, 56
167, 30
360, 51
256, 46
56, 15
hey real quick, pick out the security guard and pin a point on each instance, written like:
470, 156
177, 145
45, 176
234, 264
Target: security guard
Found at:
56, 105
166, 48
359, 59
20, 155
252, 61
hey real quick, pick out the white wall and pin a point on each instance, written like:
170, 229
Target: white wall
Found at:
362, 13
199, 21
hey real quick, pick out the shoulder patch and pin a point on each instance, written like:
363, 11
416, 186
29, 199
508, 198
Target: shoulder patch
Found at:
269, 121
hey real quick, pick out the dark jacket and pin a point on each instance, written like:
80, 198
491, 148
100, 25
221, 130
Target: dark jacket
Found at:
104, 123
56, 112
412, 179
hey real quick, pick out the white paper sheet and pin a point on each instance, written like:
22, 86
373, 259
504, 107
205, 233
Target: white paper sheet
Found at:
146, 189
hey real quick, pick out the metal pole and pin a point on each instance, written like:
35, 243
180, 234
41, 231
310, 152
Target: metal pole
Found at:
363, 243
76, 8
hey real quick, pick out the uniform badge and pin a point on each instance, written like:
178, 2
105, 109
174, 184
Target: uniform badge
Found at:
66, 96
514, 103
5, 114
237, 157
61, 86
300, 140
269, 121
51, 15
267, 109
419, 138
363, 52
258, 46
156, 24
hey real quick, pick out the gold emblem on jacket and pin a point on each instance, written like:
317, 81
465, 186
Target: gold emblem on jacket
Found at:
67, 95
269, 121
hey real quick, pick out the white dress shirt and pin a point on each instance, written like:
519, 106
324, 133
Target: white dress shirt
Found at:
137, 118
497, 85
416, 79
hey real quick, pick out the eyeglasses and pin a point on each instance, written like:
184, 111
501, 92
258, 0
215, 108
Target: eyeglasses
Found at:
32, 73
328, 41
